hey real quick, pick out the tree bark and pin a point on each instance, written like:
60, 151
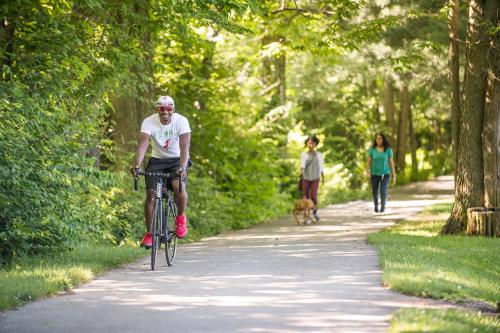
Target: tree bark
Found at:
389, 109
469, 187
483, 221
403, 128
132, 108
491, 130
413, 146
373, 94
274, 73
454, 75
7, 39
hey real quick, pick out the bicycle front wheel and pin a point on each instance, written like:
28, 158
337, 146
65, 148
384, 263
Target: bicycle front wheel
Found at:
155, 231
171, 237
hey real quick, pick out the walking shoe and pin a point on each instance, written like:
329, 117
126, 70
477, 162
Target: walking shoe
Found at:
316, 217
181, 226
147, 241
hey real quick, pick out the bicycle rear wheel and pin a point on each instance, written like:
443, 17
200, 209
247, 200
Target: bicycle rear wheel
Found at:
155, 231
171, 237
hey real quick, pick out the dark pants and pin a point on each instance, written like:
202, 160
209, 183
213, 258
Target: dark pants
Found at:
311, 190
380, 182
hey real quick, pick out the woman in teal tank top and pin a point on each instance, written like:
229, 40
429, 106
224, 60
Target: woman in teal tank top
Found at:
380, 169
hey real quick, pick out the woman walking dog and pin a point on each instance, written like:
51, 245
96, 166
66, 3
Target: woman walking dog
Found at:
311, 168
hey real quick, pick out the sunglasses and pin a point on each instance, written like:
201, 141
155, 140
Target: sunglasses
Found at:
165, 108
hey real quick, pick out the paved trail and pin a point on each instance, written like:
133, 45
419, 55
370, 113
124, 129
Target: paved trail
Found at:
275, 277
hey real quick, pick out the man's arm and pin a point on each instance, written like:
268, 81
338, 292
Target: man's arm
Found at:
184, 143
142, 147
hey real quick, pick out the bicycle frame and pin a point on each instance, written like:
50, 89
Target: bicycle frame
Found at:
162, 211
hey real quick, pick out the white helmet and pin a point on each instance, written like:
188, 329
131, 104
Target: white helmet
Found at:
165, 101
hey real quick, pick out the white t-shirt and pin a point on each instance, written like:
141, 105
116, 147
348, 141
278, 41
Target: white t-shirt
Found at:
314, 165
165, 138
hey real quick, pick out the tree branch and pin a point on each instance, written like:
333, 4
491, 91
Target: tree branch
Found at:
303, 10
269, 88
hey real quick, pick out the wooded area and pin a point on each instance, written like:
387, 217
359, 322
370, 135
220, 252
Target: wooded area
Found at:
253, 78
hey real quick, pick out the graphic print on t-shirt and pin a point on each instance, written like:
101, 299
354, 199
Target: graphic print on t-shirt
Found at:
163, 136
166, 144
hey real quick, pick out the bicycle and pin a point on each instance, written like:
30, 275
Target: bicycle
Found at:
164, 213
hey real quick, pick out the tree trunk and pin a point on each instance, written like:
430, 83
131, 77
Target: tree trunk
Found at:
413, 146
483, 221
274, 112
132, 108
389, 109
7, 39
373, 94
403, 128
274, 73
469, 187
454, 75
206, 71
281, 63
491, 130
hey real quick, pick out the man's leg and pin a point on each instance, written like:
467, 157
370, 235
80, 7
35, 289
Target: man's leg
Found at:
147, 241
148, 209
181, 199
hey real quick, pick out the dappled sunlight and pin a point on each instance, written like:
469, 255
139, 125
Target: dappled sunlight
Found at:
320, 277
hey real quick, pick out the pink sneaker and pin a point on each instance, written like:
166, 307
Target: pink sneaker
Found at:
147, 241
181, 222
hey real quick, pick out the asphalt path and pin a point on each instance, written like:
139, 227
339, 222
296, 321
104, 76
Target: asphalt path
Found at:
274, 277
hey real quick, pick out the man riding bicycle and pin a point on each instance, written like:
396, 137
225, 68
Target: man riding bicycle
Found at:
170, 136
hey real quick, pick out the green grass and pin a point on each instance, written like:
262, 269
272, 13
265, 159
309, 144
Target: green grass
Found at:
440, 321
417, 261
31, 278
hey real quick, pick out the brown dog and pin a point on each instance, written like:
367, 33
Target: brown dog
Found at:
303, 205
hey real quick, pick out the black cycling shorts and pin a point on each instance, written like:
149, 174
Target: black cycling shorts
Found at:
170, 165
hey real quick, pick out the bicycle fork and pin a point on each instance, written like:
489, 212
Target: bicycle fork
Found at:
159, 232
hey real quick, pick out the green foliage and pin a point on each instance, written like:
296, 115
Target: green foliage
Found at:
56, 79
65, 63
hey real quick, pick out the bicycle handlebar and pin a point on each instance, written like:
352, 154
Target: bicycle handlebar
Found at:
156, 174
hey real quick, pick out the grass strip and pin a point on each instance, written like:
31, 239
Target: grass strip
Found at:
442, 321
32, 278
416, 260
